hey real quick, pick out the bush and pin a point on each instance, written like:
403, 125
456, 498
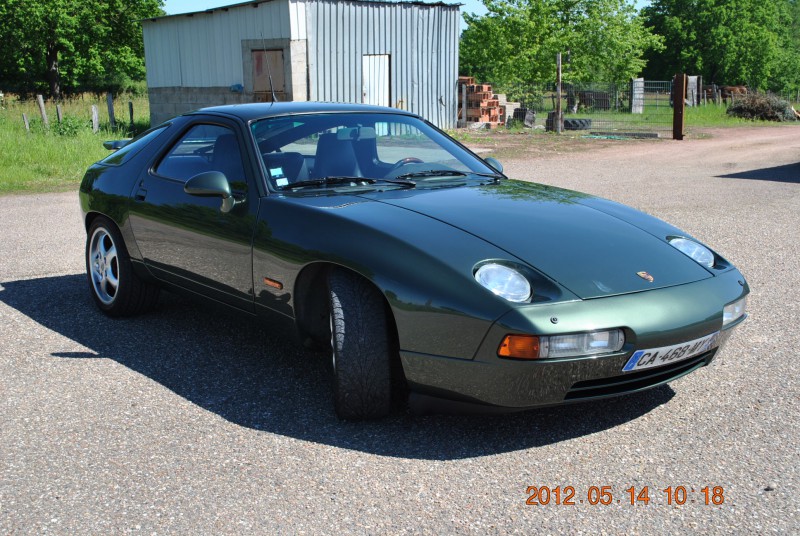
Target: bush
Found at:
762, 107
69, 126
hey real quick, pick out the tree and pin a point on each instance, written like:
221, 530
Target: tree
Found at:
72, 44
517, 40
726, 41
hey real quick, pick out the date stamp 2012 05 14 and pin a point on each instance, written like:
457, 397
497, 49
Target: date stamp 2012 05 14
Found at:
606, 495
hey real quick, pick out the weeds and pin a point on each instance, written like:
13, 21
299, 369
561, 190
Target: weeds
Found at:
54, 158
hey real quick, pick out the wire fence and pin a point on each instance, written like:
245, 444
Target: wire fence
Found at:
641, 108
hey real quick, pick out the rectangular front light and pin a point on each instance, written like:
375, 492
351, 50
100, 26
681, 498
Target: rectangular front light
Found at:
581, 344
733, 311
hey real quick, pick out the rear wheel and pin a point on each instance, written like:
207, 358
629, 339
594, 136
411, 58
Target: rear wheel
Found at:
361, 348
115, 287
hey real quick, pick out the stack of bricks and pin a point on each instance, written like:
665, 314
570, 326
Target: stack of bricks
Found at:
483, 106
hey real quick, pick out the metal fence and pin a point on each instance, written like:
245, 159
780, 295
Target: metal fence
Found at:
641, 108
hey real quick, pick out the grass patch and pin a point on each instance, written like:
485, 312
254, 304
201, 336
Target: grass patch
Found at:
54, 159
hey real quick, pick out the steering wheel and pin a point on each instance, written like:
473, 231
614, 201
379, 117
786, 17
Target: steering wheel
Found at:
403, 161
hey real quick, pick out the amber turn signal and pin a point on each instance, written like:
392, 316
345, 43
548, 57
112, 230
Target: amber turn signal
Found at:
519, 347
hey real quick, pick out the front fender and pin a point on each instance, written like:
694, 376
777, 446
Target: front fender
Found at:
422, 266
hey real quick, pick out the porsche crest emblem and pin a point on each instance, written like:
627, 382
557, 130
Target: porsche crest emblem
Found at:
644, 275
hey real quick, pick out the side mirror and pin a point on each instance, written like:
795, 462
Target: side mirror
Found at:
494, 163
211, 184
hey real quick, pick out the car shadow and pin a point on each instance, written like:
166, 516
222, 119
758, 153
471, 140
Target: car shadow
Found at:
786, 173
255, 375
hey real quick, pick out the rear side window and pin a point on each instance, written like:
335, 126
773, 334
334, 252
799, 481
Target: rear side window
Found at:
119, 157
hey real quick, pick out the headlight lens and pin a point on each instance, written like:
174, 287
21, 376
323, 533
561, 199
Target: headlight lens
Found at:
690, 248
555, 346
733, 311
504, 282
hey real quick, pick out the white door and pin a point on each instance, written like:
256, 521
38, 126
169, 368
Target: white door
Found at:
375, 76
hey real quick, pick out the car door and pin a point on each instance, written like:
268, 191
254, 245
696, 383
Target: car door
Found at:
191, 241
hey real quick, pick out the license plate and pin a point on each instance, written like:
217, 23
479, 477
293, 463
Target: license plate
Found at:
655, 357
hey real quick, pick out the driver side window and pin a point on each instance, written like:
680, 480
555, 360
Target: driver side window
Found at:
205, 148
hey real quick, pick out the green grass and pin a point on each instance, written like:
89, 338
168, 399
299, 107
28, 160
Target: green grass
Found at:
54, 159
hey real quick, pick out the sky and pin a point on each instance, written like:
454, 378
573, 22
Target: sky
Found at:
173, 7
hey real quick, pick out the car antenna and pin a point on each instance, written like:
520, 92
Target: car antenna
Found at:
269, 71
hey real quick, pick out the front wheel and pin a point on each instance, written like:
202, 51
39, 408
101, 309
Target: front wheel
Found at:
361, 348
115, 287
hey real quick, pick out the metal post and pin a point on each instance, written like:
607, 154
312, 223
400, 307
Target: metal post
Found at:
464, 105
559, 116
678, 106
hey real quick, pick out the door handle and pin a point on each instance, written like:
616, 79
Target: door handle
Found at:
141, 193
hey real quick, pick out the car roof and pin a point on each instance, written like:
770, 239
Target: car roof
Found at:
259, 110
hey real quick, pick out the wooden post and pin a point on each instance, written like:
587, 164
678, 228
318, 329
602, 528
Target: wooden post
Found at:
40, 102
130, 111
111, 118
59, 114
95, 119
27, 123
678, 106
559, 115
700, 91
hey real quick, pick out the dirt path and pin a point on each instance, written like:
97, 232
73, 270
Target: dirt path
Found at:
724, 165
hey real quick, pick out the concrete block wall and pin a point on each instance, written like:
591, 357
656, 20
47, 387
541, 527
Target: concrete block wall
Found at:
167, 102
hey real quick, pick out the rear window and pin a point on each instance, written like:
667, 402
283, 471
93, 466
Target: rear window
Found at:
119, 157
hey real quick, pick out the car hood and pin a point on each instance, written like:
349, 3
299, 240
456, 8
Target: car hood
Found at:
591, 246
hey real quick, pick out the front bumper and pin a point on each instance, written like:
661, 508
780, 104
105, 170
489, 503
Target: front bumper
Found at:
650, 319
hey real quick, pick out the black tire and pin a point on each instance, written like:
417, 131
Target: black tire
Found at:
577, 124
113, 284
361, 348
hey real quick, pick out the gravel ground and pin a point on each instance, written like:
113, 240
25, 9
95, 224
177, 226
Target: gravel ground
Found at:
188, 421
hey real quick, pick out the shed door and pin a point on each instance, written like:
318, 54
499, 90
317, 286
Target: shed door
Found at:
266, 63
375, 75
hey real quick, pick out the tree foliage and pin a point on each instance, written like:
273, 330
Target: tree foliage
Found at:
728, 42
516, 42
72, 45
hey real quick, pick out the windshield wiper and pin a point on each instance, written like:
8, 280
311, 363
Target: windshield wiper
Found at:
432, 173
410, 184
495, 176
325, 181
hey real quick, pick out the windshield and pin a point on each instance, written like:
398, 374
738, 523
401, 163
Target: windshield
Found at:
358, 150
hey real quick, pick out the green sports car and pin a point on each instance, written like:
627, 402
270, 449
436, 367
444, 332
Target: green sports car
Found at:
423, 270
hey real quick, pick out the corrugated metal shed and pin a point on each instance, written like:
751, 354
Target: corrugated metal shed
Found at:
334, 50
421, 41
204, 49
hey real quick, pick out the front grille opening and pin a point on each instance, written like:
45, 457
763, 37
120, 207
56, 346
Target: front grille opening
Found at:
637, 381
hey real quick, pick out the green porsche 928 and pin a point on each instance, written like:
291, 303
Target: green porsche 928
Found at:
423, 269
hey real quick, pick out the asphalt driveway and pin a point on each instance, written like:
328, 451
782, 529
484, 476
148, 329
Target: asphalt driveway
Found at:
187, 420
